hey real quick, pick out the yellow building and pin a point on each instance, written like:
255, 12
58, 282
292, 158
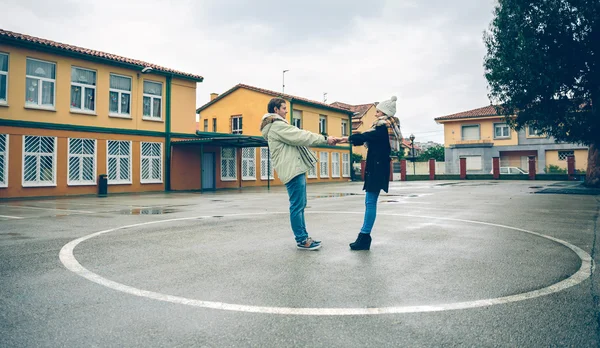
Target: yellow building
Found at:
481, 134
237, 113
69, 114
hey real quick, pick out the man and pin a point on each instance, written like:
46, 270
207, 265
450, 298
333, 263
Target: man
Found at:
291, 160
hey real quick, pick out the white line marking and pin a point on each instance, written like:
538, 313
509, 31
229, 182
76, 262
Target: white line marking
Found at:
11, 217
38, 208
68, 259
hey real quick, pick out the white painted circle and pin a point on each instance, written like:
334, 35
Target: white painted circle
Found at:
584, 272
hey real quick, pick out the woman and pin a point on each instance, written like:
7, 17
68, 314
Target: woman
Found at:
377, 170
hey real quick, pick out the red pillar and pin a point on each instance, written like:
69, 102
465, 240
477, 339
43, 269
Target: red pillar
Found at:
403, 170
391, 170
571, 167
363, 165
463, 168
431, 169
531, 167
496, 167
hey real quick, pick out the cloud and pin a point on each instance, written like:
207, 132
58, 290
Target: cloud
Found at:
428, 53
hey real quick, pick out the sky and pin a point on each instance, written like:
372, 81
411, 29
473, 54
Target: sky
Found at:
428, 53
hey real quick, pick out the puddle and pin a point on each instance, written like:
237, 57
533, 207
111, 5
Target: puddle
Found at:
536, 187
147, 211
13, 236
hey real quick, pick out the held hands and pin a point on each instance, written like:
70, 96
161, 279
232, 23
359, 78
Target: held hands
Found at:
334, 140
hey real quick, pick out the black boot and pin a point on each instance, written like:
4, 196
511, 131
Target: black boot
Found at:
363, 242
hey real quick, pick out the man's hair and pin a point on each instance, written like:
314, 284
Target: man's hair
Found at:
275, 103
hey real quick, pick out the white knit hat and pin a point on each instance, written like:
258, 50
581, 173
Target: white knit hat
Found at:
388, 107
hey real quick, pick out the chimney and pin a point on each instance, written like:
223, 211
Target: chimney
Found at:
213, 96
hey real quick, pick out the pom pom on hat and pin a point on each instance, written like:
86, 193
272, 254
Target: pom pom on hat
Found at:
388, 107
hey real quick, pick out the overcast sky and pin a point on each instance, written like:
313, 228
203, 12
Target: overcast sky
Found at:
429, 53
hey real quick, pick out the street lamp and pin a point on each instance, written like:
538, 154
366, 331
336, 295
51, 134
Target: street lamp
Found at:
283, 90
412, 149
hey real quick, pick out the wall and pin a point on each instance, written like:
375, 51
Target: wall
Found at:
581, 157
15, 165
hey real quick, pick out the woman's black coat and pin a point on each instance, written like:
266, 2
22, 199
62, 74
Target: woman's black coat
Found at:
377, 170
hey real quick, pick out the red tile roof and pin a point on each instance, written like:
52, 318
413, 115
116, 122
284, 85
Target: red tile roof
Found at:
109, 58
360, 109
489, 110
293, 98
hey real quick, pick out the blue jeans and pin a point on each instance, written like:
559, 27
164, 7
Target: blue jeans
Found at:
296, 189
370, 211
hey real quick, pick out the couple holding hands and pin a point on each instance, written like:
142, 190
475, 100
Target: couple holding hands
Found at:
292, 159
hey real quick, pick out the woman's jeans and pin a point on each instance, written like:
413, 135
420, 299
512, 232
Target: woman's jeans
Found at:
370, 211
296, 189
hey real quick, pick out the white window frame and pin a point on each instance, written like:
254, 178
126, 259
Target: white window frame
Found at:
344, 128
38, 182
39, 104
249, 159
84, 87
206, 125
313, 172
462, 131
535, 133
345, 165
4, 163
237, 129
335, 165
120, 93
108, 156
81, 182
324, 169
264, 163
503, 126
5, 73
234, 159
322, 124
150, 158
152, 98
297, 118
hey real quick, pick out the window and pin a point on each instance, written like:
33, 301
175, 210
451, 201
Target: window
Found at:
248, 163
335, 164
151, 165
214, 124
228, 164
206, 125
83, 89
473, 162
265, 165
39, 161
39, 83
470, 132
501, 130
346, 165
236, 125
297, 118
152, 100
323, 124
562, 155
324, 163
344, 128
3, 160
119, 162
533, 132
312, 172
120, 95
82, 162
3, 78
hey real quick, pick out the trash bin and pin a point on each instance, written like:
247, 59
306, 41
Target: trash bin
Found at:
103, 185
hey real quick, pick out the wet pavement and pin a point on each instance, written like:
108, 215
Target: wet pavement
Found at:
452, 264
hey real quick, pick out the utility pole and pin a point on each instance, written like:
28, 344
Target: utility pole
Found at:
283, 89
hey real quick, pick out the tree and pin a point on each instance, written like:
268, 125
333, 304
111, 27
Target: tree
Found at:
435, 152
543, 70
356, 157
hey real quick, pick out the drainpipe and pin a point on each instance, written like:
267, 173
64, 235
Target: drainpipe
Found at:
350, 144
168, 136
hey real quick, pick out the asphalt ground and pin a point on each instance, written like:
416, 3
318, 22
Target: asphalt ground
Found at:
453, 263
